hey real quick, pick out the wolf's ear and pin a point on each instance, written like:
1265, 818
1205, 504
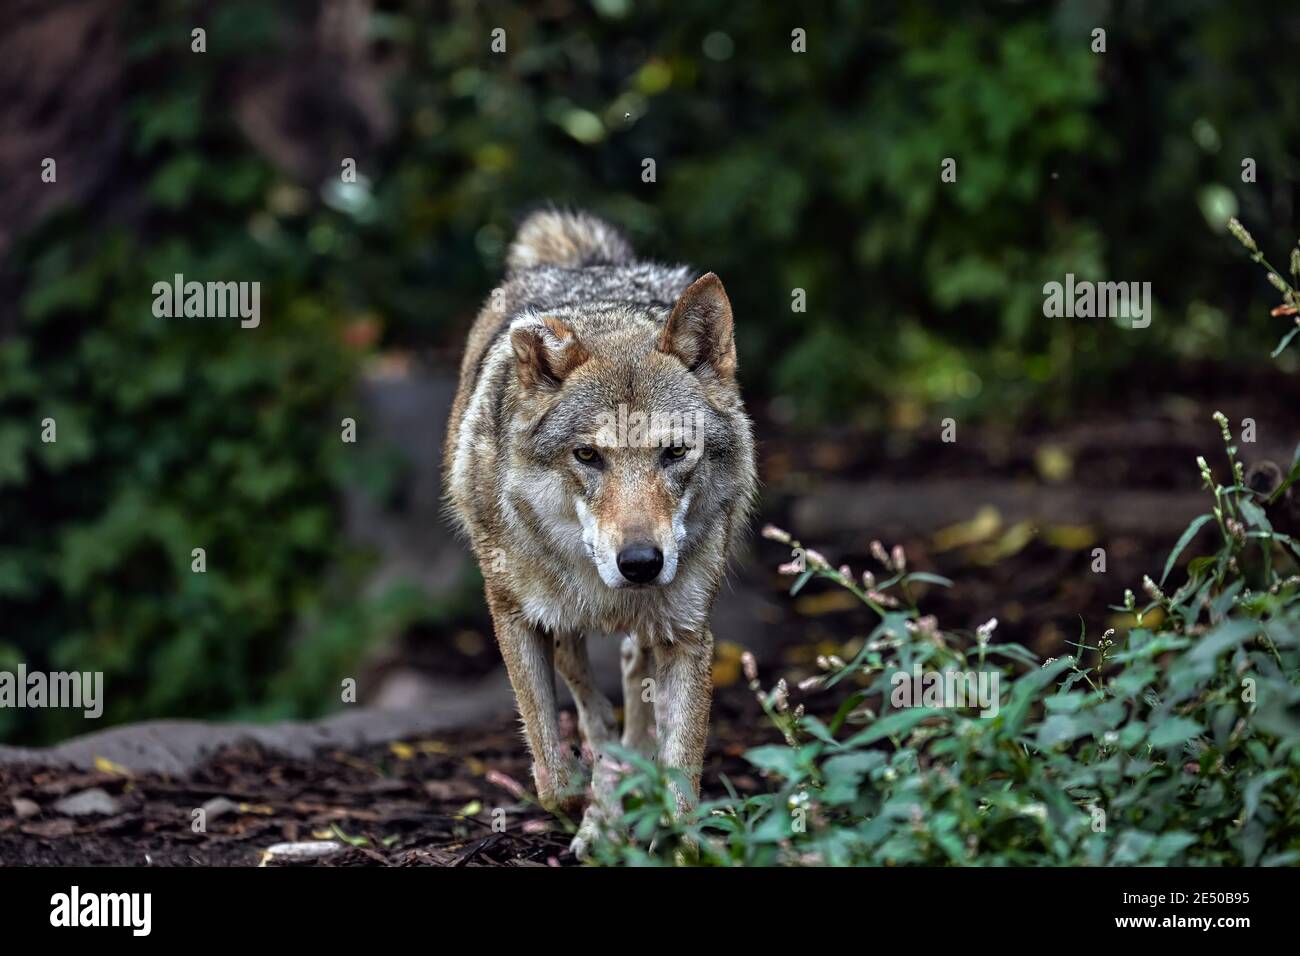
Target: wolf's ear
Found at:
700, 331
546, 351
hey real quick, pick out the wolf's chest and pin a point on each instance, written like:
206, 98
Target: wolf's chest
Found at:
582, 603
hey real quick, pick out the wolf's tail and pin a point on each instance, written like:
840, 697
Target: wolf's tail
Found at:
570, 240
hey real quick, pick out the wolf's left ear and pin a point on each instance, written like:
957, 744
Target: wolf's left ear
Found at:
700, 331
546, 351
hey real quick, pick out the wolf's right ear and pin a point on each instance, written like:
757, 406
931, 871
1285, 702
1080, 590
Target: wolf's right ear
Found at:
700, 331
546, 352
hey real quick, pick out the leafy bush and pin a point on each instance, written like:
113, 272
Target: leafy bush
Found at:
821, 171
1174, 745
1178, 744
174, 434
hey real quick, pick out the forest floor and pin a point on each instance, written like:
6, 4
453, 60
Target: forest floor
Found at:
407, 803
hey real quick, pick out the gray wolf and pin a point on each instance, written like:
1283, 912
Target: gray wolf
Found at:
600, 462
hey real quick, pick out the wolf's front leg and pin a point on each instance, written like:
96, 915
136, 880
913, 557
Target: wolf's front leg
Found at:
595, 712
529, 657
596, 720
684, 691
637, 661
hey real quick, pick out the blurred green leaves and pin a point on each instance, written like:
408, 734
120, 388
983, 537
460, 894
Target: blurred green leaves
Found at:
175, 434
818, 171
821, 171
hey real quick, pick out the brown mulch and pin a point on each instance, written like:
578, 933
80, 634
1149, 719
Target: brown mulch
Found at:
420, 803
410, 803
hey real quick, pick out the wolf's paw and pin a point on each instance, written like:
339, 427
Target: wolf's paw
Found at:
583, 841
567, 805
557, 793
688, 854
602, 809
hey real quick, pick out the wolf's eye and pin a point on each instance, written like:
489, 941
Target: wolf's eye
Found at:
675, 453
587, 455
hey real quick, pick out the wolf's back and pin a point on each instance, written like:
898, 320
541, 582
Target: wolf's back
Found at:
567, 240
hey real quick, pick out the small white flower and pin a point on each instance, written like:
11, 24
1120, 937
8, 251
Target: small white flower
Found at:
781, 696
773, 533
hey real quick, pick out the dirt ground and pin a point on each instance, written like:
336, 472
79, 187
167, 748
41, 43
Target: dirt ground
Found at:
410, 803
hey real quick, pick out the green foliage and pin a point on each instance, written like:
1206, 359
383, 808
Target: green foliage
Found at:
821, 171
778, 170
1178, 745
175, 434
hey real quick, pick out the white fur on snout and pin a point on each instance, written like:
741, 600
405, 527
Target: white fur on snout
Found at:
602, 546
602, 550
673, 549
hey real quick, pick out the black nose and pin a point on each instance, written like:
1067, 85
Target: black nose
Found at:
640, 563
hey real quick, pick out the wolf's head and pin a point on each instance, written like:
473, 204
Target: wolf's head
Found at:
631, 435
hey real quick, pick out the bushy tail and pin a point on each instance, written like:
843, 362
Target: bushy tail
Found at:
569, 240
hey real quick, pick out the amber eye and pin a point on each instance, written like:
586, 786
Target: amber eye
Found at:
675, 453
587, 455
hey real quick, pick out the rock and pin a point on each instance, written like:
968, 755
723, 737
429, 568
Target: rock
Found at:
405, 689
299, 852
219, 807
24, 808
55, 829
87, 803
